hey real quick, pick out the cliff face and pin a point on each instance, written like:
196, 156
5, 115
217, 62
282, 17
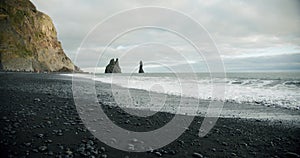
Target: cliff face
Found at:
28, 40
113, 67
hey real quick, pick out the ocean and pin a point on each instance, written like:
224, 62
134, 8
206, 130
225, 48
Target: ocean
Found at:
278, 89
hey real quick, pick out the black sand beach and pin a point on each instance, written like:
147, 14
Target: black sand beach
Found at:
39, 119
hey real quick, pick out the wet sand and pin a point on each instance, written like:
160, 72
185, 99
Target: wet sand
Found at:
38, 118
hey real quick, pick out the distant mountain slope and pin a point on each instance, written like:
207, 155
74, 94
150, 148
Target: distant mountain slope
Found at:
28, 40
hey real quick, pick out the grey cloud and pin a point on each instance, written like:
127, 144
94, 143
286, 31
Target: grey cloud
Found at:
239, 28
265, 63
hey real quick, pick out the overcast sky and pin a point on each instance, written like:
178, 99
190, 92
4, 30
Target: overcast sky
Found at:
250, 35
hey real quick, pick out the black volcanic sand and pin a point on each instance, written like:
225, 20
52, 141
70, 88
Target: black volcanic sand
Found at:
38, 118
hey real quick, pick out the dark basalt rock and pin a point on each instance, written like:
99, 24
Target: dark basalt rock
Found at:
141, 67
113, 66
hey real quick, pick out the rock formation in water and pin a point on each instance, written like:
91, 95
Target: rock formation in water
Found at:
28, 40
113, 67
141, 67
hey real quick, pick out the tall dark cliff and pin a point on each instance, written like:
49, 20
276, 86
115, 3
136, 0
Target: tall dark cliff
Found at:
28, 40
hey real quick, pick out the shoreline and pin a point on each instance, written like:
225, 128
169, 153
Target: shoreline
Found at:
39, 118
231, 109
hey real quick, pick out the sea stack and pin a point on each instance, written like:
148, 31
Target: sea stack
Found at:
141, 67
113, 66
28, 40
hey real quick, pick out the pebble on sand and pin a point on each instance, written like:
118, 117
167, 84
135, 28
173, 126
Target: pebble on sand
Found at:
198, 155
42, 148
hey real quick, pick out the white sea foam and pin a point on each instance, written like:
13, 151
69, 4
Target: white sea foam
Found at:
269, 92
